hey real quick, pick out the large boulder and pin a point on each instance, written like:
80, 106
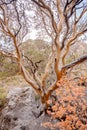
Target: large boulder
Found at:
22, 111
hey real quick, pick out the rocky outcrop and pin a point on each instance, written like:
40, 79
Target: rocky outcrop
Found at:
22, 111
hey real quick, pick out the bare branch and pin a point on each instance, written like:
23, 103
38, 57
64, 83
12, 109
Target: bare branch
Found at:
43, 5
28, 79
43, 19
81, 15
33, 65
8, 54
61, 17
34, 69
70, 42
76, 62
20, 26
70, 7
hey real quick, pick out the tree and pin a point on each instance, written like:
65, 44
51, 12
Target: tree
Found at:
65, 21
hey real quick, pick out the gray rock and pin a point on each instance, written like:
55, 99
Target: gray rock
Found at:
21, 112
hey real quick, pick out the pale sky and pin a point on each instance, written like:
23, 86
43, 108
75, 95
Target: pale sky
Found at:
31, 35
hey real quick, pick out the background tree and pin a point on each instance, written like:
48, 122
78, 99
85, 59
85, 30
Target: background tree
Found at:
61, 19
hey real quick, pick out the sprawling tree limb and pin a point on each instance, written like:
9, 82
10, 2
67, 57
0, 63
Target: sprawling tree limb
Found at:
25, 73
27, 77
74, 63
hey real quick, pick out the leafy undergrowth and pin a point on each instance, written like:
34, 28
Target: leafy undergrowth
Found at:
68, 108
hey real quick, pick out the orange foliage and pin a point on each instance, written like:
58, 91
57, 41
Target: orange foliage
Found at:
69, 108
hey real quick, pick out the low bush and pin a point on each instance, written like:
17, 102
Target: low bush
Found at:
68, 108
